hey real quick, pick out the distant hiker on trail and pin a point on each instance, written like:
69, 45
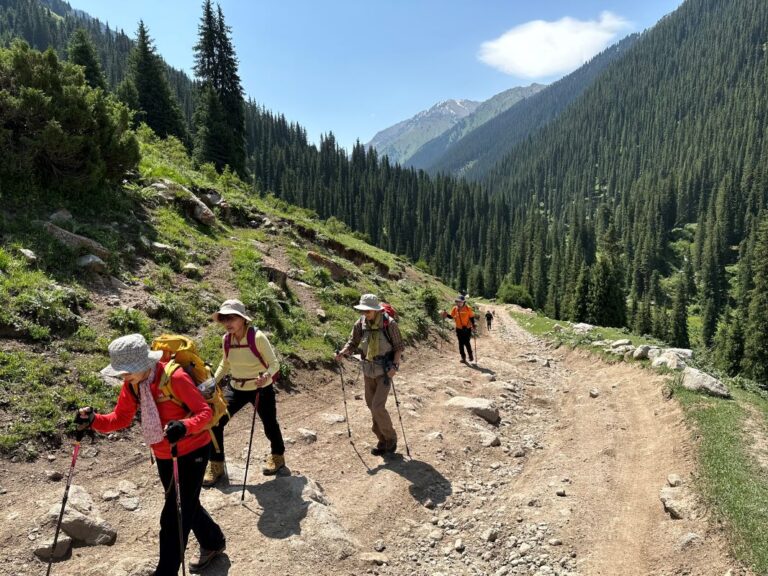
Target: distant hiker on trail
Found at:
376, 336
488, 319
172, 432
464, 318
249, 358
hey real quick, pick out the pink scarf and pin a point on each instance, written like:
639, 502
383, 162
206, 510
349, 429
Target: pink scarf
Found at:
151, 427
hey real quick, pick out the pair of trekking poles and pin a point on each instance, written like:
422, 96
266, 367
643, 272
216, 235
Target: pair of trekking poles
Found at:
75, 452
397, 404
174, 455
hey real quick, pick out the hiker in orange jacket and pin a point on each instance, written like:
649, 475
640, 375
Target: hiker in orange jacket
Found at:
464, 318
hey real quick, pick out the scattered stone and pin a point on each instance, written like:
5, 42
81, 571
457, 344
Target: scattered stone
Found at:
482, 407
62, 551
688, 540
459, 545
379, 546
582, 328
91, 263
29, 256
127, 487
641, 352
594, 393
321, 315
519, 453
76, 242
110, 495
561, 492
433, 436
192, 270
668, 359
674, 480
555, 542
53, 475
619, 343
307, 436
675, 503
376, 558
490, 535
489, 439
332, 418
130, 503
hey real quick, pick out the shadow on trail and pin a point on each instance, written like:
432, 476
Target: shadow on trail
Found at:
219, 566
282, 503
426, 482
480, 369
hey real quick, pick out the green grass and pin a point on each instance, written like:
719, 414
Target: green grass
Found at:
731, 481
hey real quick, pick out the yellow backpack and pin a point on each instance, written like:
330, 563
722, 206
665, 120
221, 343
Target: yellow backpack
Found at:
181, 352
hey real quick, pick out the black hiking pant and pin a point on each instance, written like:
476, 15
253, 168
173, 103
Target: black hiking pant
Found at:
465, 341
488, 323
267, 411
194, 517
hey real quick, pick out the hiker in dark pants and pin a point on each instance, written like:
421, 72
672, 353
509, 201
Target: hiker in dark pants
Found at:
488, 319
464, 318
378, 339
249, 358
163, 425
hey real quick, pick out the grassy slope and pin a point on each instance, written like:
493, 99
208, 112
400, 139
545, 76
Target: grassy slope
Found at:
53, 336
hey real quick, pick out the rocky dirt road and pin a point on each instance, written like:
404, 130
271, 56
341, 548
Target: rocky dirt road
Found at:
556, 470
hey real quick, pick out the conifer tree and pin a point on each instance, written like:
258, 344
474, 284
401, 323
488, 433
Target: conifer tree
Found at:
756, 334
220, 117
679, 336
157, 106
82, 52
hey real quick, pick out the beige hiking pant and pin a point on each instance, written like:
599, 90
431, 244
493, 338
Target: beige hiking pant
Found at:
376, 392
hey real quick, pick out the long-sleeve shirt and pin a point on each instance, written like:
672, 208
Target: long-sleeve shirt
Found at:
244, 365
358, 331
195, 413
464, 317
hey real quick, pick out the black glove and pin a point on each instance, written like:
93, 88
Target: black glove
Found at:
84, 421
175, 431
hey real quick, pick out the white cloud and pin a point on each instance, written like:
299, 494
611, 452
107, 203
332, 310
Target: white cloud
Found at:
538, 49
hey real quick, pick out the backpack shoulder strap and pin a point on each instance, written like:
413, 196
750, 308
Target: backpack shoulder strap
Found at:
385, 327
251, 337
227, 344
165, 382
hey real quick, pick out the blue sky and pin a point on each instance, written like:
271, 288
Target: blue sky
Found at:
355, 67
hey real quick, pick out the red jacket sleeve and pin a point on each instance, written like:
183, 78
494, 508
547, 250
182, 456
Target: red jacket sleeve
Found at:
187, 392
121, 416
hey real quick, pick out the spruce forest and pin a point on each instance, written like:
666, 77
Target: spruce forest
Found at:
640, 205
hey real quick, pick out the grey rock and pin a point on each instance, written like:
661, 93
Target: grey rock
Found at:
481, 407
130, 503
674, 480
668, 359
489, 439
699, 381
688, 540
376, 558
110, 495
63, 548
641, 352
307, 436
29, 256
91, 263
594, 393
53, 475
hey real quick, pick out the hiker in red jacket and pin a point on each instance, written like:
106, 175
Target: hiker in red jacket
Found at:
164, 424
464, 318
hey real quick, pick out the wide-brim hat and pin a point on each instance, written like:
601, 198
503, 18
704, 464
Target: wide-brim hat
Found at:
369, 302
460, 298
130, 354
231, 307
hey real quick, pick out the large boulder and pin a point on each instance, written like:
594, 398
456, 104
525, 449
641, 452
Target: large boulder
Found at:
668, 359
697, 380
482, 407
81, 521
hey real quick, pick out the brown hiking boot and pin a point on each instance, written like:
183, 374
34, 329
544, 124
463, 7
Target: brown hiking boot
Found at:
204, 558
380, 448
274, 463
213, 472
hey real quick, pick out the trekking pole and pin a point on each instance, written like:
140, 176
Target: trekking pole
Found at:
174, 454
397, 405
474, 335
75, 451
344, 395
250, 443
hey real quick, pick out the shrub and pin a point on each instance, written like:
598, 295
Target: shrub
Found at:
514, 294
430, 302
129, 321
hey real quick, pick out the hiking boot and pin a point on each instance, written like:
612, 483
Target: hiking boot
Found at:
274, 463
391, 447
380, 448
213, 472
204, 558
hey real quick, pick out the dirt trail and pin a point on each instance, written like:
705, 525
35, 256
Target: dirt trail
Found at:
456, 507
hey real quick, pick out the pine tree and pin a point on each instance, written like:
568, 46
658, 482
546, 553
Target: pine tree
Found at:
220, 116
157, 106
756, 336
82, 52
679, 336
